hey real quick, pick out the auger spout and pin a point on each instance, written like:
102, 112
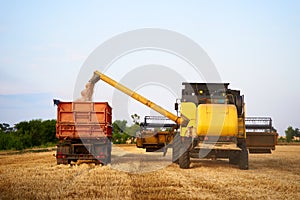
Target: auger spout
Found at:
182, 120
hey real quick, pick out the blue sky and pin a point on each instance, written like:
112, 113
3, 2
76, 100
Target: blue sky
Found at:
255, 46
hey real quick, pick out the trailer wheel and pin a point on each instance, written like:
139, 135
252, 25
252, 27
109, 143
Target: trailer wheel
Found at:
62, 161
184, 160
59, 162
176, 148
108, 157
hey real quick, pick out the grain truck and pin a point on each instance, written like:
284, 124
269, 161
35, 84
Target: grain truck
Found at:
84, 131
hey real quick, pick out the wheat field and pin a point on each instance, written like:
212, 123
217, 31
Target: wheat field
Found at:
36, 176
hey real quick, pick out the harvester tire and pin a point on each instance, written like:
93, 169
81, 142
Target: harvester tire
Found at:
243, 161
234, 158
176, 145
184, 160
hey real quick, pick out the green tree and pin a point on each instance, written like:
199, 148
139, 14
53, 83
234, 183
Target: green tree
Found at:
119, 126
36, 131
132, 130
120, 138
116, 138
296, 132
4, 127
48, 131
22, 127
289, 134
3, 140
122, 132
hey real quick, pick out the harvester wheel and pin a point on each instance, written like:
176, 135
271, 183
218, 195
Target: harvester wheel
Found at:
234, 158
184, 160
243, 164
176, 148
243, 161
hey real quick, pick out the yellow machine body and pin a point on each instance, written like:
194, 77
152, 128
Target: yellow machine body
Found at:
210, 119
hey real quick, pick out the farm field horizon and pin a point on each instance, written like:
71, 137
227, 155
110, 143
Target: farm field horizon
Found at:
37, 176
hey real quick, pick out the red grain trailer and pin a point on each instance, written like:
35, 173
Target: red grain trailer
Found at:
84, 130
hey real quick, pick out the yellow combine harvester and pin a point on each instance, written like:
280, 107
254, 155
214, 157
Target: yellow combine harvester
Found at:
210, 124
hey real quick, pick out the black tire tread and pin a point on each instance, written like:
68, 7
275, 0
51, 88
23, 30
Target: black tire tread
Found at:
184, 160
243, 164
234, 159
176, 145
243, 160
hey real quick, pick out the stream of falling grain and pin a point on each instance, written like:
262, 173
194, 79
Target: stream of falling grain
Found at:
87, 93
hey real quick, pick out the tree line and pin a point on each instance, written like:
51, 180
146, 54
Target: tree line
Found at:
27, 134
41, 133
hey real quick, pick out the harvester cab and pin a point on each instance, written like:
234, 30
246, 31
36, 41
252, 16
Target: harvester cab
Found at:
216, 126
213, 110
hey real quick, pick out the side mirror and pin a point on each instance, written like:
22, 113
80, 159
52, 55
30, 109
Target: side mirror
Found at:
176, 106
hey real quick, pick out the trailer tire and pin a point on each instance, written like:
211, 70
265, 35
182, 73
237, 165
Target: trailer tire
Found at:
59, 162
176, 145
62, 161
108, 158
184, 160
